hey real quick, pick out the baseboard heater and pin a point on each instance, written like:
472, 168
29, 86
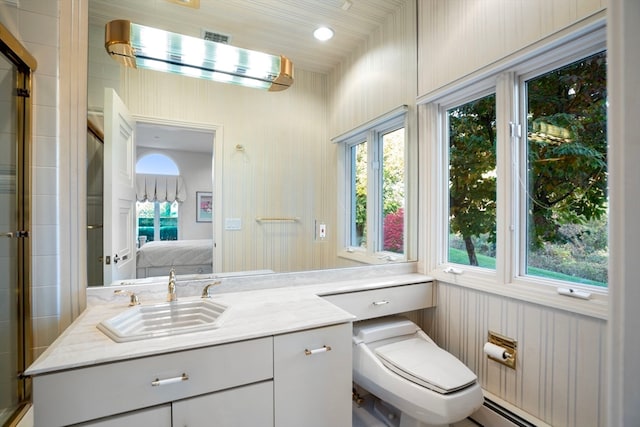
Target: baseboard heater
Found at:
493, 414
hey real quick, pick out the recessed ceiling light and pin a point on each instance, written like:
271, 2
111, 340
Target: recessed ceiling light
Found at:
189, 3
323, 33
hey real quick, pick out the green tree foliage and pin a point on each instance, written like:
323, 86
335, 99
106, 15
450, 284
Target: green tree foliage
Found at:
472, 179
361, 191
567, 148
567, 155
392, 182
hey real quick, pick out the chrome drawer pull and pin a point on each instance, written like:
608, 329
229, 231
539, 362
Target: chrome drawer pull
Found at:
322, 349
383, 302
158, 382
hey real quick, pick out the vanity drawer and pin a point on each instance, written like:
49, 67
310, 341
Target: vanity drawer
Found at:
384, 301
82, 394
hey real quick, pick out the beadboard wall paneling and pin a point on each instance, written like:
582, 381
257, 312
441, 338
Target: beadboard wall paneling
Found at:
375, 79
459, 37
378, 77
286, 167
561, 369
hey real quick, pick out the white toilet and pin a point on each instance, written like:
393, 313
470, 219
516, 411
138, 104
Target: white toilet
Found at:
419, 384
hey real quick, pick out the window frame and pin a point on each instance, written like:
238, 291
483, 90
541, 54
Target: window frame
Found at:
521, 159
371, 134
505, 76
486, 88
156, 220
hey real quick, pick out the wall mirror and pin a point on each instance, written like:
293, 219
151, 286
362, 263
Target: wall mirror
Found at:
266, 158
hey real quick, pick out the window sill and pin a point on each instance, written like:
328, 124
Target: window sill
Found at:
365, 258
535, 291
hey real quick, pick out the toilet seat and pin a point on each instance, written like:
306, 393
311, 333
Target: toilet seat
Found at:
425, 364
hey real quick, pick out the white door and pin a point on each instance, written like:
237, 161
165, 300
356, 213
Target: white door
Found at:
119, 190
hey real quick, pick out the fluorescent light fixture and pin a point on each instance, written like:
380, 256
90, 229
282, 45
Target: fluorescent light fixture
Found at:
137, 46
323, 33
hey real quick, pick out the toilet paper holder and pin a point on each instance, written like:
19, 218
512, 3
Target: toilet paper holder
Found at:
510, 347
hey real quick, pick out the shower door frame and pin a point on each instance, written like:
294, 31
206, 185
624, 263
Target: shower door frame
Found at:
24, 65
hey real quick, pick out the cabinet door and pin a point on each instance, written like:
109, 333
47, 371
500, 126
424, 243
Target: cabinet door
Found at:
159, 416
312, 377
250, 405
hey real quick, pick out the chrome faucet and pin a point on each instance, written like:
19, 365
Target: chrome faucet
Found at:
171, 296
205, 291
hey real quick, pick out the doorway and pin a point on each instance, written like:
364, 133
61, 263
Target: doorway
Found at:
187, 143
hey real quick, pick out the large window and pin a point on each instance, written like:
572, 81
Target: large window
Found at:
525, 168
566, 191
375, 190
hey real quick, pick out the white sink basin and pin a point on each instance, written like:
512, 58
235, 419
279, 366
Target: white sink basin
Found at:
164, 319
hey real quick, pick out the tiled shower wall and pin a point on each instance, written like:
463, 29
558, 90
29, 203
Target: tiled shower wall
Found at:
35, 24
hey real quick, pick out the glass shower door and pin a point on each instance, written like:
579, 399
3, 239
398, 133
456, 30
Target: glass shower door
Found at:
16, 68
10, 328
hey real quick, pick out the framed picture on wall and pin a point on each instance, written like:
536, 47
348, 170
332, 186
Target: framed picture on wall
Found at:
204, 206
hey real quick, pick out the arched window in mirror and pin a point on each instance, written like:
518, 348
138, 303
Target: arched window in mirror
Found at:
159, 193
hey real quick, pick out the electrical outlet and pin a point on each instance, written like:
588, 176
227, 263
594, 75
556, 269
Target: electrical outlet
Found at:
322, 230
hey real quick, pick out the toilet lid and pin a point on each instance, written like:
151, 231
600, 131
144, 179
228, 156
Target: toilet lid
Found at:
426, 364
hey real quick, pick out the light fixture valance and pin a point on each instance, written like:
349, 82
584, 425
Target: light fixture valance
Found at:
160, 188
138, 46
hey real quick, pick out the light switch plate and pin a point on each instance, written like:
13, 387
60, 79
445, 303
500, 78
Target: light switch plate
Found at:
233, 224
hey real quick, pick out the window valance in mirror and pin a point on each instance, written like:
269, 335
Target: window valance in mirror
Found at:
160, 188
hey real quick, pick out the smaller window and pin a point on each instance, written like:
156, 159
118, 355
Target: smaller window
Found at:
375, 188
358, 218
472, 183
157, 220
393, 182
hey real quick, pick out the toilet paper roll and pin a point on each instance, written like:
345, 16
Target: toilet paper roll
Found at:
496, 351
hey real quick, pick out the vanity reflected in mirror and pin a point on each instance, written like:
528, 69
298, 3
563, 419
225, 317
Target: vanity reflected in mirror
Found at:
261, 185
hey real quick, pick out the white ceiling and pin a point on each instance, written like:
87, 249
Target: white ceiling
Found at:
278, 27
183, 139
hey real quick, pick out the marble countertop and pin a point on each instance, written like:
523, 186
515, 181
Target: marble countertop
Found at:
250, 314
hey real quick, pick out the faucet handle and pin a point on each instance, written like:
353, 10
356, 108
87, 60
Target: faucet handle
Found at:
205, 291
133, 298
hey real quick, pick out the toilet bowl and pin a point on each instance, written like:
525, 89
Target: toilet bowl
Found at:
396, 361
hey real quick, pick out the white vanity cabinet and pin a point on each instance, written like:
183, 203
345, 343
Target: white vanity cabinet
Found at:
384, 301
250, 405
159, 416
312, 377
94, 392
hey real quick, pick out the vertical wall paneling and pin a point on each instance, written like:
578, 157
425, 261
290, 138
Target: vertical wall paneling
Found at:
560, 372
279, 172
466, 36
623, 34
560, 376
373, 80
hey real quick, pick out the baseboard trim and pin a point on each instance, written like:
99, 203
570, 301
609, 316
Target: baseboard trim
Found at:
496, 412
